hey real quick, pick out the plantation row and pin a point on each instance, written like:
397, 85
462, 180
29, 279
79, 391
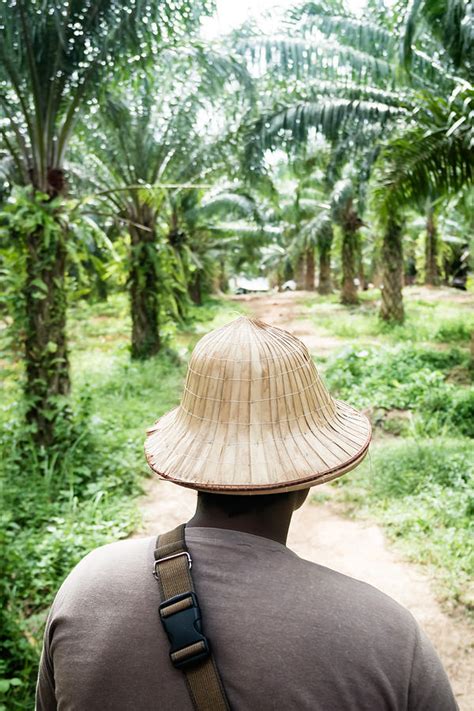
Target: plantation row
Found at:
136, 154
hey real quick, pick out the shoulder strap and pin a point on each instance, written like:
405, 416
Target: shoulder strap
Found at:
181, 617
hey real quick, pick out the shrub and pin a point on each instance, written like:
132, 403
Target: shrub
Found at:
453, 332
59, 505
404, 377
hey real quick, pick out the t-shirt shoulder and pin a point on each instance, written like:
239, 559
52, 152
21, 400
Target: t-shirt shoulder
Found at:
103, 567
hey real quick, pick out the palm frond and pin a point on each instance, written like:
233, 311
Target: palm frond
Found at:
326, 115
436, 157
314, 56
53, 64
230, 203
450, 22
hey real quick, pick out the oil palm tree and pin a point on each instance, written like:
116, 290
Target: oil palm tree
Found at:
150, 135
316, 237
54, 59
435, 155
212, 225
347, 73
144, 149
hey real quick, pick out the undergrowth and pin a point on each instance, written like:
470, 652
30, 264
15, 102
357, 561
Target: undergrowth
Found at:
59, 505
441, 321
410, 378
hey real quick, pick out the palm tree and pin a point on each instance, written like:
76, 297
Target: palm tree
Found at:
149, 135
435, 155
54, 59
391, 308
139, 149
350, 96
345, 214
320, 228
353, 90
209, 232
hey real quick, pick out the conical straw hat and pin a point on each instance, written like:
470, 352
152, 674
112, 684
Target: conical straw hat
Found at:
255, 418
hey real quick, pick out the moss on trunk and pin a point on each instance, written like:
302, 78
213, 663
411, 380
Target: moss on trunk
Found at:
46, 356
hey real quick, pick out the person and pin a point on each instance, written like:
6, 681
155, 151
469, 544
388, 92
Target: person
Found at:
255, 429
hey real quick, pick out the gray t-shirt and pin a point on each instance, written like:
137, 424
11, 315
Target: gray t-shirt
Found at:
286, 633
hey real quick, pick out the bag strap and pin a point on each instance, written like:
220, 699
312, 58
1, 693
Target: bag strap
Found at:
181, 617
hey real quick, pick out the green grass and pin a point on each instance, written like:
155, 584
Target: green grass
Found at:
443, 321
58, 506
422, 492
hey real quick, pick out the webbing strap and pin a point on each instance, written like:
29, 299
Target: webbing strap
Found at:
172, 569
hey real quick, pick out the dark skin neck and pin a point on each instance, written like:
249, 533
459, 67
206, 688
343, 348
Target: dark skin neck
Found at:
268, 516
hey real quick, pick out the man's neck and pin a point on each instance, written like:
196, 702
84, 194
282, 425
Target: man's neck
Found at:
269, 522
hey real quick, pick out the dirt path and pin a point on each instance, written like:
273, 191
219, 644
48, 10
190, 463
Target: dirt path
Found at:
319, 533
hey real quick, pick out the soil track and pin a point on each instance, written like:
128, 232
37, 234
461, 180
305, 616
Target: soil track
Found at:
321, 534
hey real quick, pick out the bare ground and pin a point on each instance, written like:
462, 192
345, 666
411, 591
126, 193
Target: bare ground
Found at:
321, 534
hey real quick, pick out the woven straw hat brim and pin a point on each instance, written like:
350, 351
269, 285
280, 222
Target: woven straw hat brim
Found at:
201, 458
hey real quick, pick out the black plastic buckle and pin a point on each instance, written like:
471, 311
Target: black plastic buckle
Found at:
184, 630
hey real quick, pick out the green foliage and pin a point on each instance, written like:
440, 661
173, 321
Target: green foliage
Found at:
413, 381
58, 505
454, 332
50, 71
422, 490
405, 377
74, 500
24, 213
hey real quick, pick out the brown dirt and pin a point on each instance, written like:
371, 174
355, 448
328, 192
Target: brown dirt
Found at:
321, 534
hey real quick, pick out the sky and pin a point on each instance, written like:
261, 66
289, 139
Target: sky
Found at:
232, 13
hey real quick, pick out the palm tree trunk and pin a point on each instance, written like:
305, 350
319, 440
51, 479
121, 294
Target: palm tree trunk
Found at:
222, 278
195, 287
431, 250
46, 355
324, 282
349, 249
300, 276
144, 299
392, 273
310, 269
360, 265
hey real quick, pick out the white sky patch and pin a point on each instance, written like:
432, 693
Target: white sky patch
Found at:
232, 13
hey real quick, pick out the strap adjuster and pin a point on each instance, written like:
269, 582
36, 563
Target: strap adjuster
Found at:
169, 557
181, 618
